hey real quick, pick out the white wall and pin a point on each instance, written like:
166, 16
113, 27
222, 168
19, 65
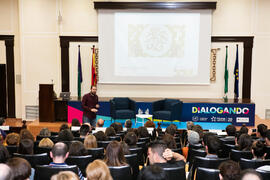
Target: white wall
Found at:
37, 49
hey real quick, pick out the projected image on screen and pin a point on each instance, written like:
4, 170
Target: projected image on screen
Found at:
164, 41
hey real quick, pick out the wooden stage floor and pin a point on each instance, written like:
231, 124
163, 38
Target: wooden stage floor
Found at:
35, 126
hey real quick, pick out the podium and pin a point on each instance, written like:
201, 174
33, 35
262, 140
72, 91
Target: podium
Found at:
46, 105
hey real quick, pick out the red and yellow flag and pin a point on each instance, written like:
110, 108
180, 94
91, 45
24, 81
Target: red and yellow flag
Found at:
94, 70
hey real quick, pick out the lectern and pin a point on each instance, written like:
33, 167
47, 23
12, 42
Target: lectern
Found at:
46, 105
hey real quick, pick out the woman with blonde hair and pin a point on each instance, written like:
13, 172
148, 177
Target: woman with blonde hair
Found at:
98, 170
46, 143
90, 141
65, 175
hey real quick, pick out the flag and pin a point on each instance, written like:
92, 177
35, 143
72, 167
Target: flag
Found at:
94, 71
236, 75
226, 74
79, 73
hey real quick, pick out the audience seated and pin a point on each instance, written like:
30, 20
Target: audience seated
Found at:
90, 141
26, 146
169, 141
229, 170
152, 172
149, 124
244, 142
205, 137
59, 154
75, 122
45, 132
199, 130
171, 129
143, 132
46, 143
231, 132
125, 147
5, 171
100, 123
110, 131
258, 150
26, 134
131, 139
193, 138
13, 139
267, 138
20, 168
2, 132
84, 131
250, 174
114, 155
63, 127
65, 175
261, 131
98, 170
213, 147
4, 154
128, 124
101, 136
117, 127
65, 135
77, 149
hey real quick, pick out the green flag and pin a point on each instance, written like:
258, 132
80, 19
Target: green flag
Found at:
226, 74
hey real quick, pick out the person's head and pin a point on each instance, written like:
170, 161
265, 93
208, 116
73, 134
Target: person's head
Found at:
46, 142
117, 127
258, 150
205, 138
128, 124
267, 137
193, 137
153, 172
190, 125
77, 148
244, 142
149, 124
75, 122
13, 139
2, 121
90, 141
229, 170
100, 136
199, 130
131, 139
100, 123
65, 175
94, 89
142, 132
45, 132
98, 170
63, 127
20, 168
231, 130
26, 146
110, 131
4, 154
114, 155
65, 135
243, 129
26, 134
5, 171
125, 147
155, 152
250, 174
169, 140
261, 130
84, 130
171, 130
59, 152
213, 145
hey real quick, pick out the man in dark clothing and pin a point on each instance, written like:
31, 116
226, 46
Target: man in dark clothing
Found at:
90, 106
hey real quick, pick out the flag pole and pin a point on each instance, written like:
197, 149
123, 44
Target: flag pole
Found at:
226, 76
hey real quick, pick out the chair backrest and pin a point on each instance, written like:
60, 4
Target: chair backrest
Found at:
168, 102
145, 139
267, 151
236, 155
265, 174
195, 152
175, 173
252, 164
79, 139
120, 172
140, 154
206, 173
41, 150
35, 159
226, 150
46, 172
228, 141
12, 149
121, 103
80, 161
114, 138
132, 160
97, 153
103, 144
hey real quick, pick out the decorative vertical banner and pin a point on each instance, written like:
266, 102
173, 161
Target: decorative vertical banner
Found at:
213, 63
97, 58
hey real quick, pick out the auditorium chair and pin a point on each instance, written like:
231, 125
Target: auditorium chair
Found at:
265, 174
45, 172
80, 161
103, 144
12, 149
206, 173
227, 141
114, 138
252, 164
195, 152
120, 172
140, 154
236, 155
267, 151
97, 153
132, 160
122, 108
226, 150
34, 159
40, 150
174, 173
145, 139
167, 109
79, 139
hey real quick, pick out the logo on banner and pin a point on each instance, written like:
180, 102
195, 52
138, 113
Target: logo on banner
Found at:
220, 110
195, 118
242, 120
